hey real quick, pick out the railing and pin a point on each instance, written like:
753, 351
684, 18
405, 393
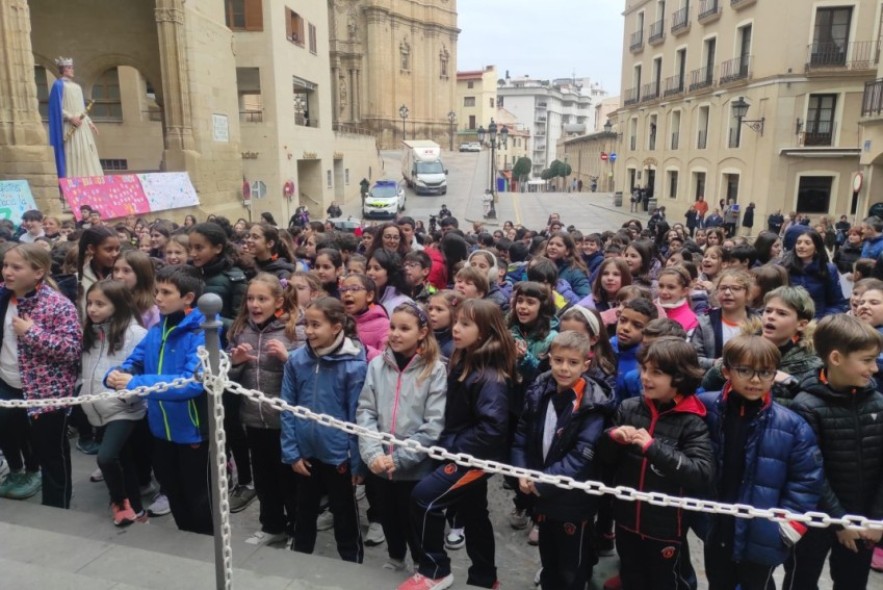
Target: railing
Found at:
637, 41
251, 116
709, 9
541, 119
631, 96
657, 31
739, 4
738, 68
701, 78
674, 85
819, 133
352, 129
858, 55
541, 105
650, 91
680, 20
675, 140
702, 140
872, 99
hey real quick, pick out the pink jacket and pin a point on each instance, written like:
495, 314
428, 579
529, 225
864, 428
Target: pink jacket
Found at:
373, 327
683, 315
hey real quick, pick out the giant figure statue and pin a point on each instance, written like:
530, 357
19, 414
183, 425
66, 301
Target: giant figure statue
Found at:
70, 128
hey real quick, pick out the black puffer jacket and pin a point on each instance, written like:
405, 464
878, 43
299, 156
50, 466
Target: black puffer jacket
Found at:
477, 415
679, 462
849, 426
280, 267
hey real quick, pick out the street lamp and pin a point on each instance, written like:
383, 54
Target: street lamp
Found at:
452, 118
403, 113
740, 109
608, 126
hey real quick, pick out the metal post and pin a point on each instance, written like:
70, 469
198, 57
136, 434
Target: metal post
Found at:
210, 305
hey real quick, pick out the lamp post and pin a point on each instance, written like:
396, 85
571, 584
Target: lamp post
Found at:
494, 142
740, 109
452, 119
403, 113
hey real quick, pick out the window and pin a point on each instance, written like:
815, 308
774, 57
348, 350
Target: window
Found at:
328, 178
110, 165
681, 68
702, 139
633, 133
313, 45
699, 183
491, 102
468, 101
814, 194
471, 121
470, 85
306, 107
106, 94
744, 50
672, 184
294, 27
831, 36
248, 88
732, 183
42, 81
675, 129
244, 15
346, 176
820, 120
651, 133
710, 49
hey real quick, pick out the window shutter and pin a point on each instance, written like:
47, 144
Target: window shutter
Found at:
254, 15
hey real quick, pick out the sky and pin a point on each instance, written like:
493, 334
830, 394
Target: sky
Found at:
543, 39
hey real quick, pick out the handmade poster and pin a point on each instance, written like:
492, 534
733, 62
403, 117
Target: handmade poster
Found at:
168, 190
126, 194
15, 199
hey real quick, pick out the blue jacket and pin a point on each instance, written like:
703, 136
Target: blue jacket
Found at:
783, 469
826, 294
178, 415
331, 385
873, 248
627, 361
477, 415
572, 451
577, 278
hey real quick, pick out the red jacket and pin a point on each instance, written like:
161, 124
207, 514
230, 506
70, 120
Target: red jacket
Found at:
438, 274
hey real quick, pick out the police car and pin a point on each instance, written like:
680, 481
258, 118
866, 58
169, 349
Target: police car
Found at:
385, 199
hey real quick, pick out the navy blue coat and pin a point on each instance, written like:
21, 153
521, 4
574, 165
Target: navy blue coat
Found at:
826, 294
477, 415
572, 452
783, 469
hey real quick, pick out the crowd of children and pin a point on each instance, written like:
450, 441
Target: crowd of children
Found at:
678, 365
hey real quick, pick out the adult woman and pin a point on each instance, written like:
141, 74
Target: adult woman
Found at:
389, 237
189, 221
808, 267
561, 249
768, 246
849, 252
271, 254
385, 269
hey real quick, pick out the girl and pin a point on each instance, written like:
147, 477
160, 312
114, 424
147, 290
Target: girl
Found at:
712, 264
39, 359
613, 274
261, 338
159, 237
639, 257
719, 325
533, 325
329, 269
98, 249
486, 262
476, 422
441, 310
357, 293
561, 249
808, 267
766, 278
356, 264
306, 288
714, 236
768, 246
674, 297
326, 376
135, 270
404, 395
270, 253
385, 269
213, 255
144, 243
113, 329
176, 249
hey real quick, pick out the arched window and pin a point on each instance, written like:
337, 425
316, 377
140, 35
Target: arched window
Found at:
106, 94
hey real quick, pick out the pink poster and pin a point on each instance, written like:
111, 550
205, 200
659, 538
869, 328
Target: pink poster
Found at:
112, 196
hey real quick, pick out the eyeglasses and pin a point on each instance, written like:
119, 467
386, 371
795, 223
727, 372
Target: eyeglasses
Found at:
744, 372
413, 265
395, 237
352, 289
731, 288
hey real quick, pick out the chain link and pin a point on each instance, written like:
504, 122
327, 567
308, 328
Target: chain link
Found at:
58, 402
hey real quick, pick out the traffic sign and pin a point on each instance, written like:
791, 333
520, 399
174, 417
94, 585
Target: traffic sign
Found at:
604, 156
613, 157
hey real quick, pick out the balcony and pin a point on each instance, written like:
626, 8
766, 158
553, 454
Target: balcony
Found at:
542, 106
733, 70
702, 140
709, 11
631, 96
657, 32
701, 78
251, 116
872, 99
675, 140
680, 21
858, 55
740, 4
650, 91
541, 119
818, 134
674, 85
636, 43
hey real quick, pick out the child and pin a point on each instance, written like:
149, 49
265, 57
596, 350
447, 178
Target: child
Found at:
561, 249
486, 262
418, 265
98, 250
326, 376
603, 360
372, 324
32, 223
176, 249
843, 407
659, 443
441, 310
135, 270
356, 264
674, 297
270, 252
563, 418
39, 359
404, 395
306, 288
213, 255
178, 417
633, 318
112, 330
613, 274
471, 283
261, 337
385, 269
767, 457
721, 324
476, 422
329, 269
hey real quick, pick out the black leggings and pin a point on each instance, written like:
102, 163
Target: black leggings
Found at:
117, 463
237, 444
15, 433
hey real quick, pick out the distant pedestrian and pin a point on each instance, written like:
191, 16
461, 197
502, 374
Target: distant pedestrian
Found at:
775, 222
748, 219
701, 210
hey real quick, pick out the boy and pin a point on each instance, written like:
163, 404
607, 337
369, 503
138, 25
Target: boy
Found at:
658, 328
417, 265
633, 318
471, 283
767, 457
845, 410
32, 223
659, 443
563, 418
178, 418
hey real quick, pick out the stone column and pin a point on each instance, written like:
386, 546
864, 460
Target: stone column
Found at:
177, 118
25, 152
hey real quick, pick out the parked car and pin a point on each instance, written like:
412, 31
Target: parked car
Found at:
471, 146
385, 199
348, 225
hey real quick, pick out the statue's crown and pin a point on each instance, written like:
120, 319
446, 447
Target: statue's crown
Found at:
64, 62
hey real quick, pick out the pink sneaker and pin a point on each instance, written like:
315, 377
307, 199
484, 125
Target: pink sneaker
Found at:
877, 560
614, 583
123, 515
421, 582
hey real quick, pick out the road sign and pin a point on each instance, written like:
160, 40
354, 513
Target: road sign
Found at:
613, 157
604, 156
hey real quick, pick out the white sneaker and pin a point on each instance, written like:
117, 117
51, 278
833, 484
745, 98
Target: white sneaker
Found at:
455, 540
375, 535
96, 476
160, 506
325, 521
262, 538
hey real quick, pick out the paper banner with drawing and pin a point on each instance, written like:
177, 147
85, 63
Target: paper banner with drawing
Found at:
127, 194
15, 199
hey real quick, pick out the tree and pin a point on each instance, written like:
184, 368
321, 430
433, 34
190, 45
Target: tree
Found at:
521, 169
559, 169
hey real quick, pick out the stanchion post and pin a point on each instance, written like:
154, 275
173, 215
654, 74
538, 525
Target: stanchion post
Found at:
210, 305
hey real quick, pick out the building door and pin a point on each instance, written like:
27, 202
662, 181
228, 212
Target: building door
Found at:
732, 182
